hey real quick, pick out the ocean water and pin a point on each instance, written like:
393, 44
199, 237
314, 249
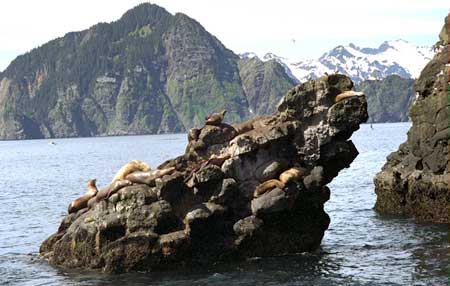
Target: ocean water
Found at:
361, 247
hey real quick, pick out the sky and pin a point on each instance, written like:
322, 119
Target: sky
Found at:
293, 29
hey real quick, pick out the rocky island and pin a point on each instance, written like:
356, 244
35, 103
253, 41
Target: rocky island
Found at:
251, 189
415, 181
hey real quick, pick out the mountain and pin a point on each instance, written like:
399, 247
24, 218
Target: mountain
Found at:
148, 72
262, 83
391, 57
388, 99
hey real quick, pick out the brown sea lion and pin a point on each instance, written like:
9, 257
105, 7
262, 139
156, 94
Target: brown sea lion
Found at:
149, 177
82, 202
295, 173
105, 192
215, 118
117, 186
347, 94
268, 186
217, 160
193, 134
213, 160
129, 168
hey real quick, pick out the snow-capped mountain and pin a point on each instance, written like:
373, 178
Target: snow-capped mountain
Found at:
391, 57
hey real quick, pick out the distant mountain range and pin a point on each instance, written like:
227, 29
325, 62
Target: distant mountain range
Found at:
391, 57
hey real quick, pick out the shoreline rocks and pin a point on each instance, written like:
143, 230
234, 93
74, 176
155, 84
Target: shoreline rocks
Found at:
206, 210
415, 181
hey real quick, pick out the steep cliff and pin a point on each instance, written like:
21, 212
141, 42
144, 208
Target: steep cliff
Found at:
148, 72
415, 180
263, 83
388, 99
252, 189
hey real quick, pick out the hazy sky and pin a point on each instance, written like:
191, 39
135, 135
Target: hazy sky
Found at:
290, 28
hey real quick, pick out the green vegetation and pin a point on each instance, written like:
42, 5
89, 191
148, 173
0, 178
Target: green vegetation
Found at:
389, 99
148, 72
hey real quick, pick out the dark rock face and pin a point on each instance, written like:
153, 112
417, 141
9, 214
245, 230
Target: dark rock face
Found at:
207, 210
264, 84
415, 180
388, 99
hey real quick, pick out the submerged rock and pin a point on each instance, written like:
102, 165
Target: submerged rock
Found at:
415, 181
206, 211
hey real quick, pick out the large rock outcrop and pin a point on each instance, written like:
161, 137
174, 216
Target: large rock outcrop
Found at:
415, 180
252, 189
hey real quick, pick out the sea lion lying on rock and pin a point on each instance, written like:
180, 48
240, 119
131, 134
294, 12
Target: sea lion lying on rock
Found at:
107, 191
347, 94
215, 118
82, 202
292, 174
129, 168
148, 177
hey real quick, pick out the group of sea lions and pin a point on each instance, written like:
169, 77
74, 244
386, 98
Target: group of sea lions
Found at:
138, 172
134, 172
292, 174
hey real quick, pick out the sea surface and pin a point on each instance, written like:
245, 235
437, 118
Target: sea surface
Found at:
361, 247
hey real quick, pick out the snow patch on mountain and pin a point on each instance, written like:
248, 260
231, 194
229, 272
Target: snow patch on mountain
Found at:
391, 57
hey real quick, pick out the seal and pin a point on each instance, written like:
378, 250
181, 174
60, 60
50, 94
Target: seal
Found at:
149, 177
129, 168
347, 94
82, 202
215, 118
291, 174
268, 186
193, 134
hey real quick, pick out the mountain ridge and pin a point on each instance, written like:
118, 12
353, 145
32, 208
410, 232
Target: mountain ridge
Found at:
390, 57
148, 72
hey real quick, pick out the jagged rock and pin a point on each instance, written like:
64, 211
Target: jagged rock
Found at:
415, 181
273, 201
247, 225
227, 193
206, 211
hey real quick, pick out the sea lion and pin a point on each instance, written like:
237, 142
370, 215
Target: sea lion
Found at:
129, 168
193, 134
117, 186
105, 192
215, 118
268, 186
82, 202
294, 173
213, 160
347, 94
149, 177
249, 125
217, 160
